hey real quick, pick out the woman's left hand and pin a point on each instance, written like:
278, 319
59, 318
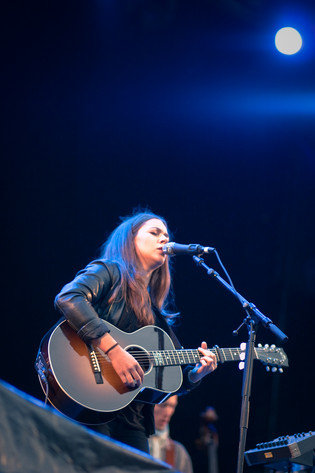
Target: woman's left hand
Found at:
207, 364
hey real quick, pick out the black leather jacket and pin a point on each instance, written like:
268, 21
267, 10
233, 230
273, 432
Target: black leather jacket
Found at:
84, 304
84, 301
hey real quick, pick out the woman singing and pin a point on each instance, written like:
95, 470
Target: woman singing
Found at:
128, 286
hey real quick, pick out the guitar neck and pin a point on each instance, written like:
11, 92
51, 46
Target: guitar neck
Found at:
187, 357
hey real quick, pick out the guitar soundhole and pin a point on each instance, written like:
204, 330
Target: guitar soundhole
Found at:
141, 356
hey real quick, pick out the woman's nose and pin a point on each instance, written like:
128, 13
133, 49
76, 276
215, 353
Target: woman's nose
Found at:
163, 239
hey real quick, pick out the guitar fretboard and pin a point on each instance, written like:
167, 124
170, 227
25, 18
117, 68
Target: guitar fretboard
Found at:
186, 357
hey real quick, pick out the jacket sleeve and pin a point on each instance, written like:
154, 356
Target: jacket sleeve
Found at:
79, 300
187, 385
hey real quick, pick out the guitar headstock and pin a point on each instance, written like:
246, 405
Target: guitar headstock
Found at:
274, 358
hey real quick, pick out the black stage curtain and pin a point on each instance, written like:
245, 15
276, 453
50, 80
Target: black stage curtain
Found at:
35, 438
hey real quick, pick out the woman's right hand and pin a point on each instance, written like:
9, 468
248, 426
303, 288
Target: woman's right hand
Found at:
126, 366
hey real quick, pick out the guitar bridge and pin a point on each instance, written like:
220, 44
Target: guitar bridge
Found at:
95, 366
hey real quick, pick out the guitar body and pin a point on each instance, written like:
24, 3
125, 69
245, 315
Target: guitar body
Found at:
82, 384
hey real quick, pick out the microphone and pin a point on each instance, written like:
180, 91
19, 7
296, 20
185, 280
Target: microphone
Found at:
174, 249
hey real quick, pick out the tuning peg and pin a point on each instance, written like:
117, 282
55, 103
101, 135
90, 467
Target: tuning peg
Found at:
280, 370
266, 345
241, 365
268, 368
243, 346
274, 369
273, 346
259, 345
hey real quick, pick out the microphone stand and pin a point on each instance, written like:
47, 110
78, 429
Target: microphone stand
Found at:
253, 318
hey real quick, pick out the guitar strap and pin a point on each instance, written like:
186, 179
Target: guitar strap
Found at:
159, 369
170, 453
164, 325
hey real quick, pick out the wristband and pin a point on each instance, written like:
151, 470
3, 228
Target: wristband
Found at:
113, 346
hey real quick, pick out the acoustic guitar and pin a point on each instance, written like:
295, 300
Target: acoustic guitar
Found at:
80, 382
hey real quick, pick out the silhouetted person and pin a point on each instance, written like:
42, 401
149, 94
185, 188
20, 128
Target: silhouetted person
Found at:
207, 442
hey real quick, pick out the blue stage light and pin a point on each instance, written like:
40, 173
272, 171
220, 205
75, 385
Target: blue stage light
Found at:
288, 41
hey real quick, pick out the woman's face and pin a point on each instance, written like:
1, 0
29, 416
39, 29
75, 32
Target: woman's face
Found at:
149, 241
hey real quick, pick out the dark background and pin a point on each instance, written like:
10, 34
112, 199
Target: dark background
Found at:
187, 108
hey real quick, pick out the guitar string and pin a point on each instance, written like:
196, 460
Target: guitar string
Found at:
151, 361
176, 353
153, 354
167, 357
183, 356
171, 354
107, 365
173, 358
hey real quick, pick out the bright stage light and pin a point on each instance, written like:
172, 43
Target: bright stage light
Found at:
288, 41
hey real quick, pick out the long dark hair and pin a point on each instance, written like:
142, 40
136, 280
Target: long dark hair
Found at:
120, 249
